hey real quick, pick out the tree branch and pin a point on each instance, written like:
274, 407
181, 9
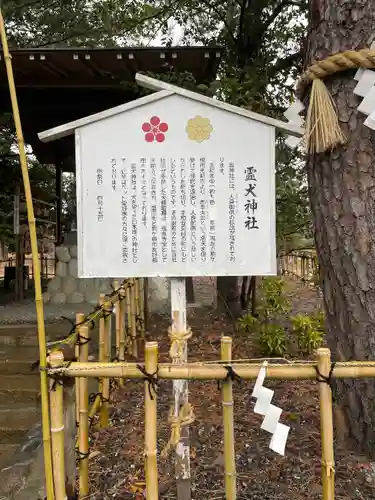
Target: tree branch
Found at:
296, 229
278, 10
241, 20
284, 63
222, 19
92, 31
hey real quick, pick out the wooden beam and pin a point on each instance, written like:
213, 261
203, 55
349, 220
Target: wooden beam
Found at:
69, 128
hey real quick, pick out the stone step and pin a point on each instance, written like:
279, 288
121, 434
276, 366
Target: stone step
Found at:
12, 436
16, 366
29, 339
27, 335
20, 395
20, 382
7, 450
29, 353
18, 416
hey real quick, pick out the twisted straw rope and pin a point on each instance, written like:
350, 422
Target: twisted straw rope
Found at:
185, 417
323, 131
349, 59
178, 340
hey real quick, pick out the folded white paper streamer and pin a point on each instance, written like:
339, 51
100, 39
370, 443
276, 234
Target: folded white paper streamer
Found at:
293, 117
271, 413
366, 88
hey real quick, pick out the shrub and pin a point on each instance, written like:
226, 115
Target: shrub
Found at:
269, 327
273, 302
309, 331
272, 340
248, 323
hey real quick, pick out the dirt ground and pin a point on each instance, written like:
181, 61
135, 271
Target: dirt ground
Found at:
117, 462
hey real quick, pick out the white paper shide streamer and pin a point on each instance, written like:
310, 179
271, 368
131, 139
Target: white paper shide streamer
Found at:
292, 114
366, 88
271, 414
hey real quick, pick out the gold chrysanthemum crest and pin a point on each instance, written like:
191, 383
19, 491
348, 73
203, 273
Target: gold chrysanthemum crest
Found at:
199, 129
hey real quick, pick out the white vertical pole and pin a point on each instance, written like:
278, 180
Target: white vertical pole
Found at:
180, 390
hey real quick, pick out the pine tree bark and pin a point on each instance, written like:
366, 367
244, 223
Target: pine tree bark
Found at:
342, 193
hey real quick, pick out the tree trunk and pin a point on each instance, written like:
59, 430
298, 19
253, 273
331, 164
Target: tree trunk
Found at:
190, 295
228, 296
253, 288
342, 194
245, 293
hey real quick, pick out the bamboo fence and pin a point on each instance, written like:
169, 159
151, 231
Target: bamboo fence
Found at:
225, 371
299, 266
126, 335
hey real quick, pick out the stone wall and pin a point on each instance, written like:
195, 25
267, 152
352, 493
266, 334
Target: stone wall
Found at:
67, 288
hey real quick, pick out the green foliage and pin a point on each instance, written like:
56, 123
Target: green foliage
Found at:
272, 340
308, 331
273, 302
275, 333
270, 336
294, 225
248, 323
42, 179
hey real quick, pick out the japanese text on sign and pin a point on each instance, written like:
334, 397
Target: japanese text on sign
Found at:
186, 211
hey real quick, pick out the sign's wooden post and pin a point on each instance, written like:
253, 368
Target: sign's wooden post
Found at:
180, 388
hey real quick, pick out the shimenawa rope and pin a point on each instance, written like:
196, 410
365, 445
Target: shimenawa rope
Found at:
323, 131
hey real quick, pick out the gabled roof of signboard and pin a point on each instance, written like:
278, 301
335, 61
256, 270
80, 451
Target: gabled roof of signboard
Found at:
164, 90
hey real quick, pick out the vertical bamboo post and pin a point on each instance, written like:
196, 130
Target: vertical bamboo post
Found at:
134, 319
128, 314
304, 277
137, 307
83, 429
79, 318
118, 322
326, 424
227, 394
142, 306
145, 302
151, 466
101, 341
104, 357
36, 268
57, 429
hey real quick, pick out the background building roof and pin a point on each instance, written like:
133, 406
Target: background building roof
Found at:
56, 86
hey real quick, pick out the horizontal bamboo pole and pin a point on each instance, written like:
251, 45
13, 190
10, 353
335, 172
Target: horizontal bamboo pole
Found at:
212, 371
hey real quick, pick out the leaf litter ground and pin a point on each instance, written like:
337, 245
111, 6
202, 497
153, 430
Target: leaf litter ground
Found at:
117, 465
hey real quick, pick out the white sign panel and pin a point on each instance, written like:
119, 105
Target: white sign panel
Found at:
175, 188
